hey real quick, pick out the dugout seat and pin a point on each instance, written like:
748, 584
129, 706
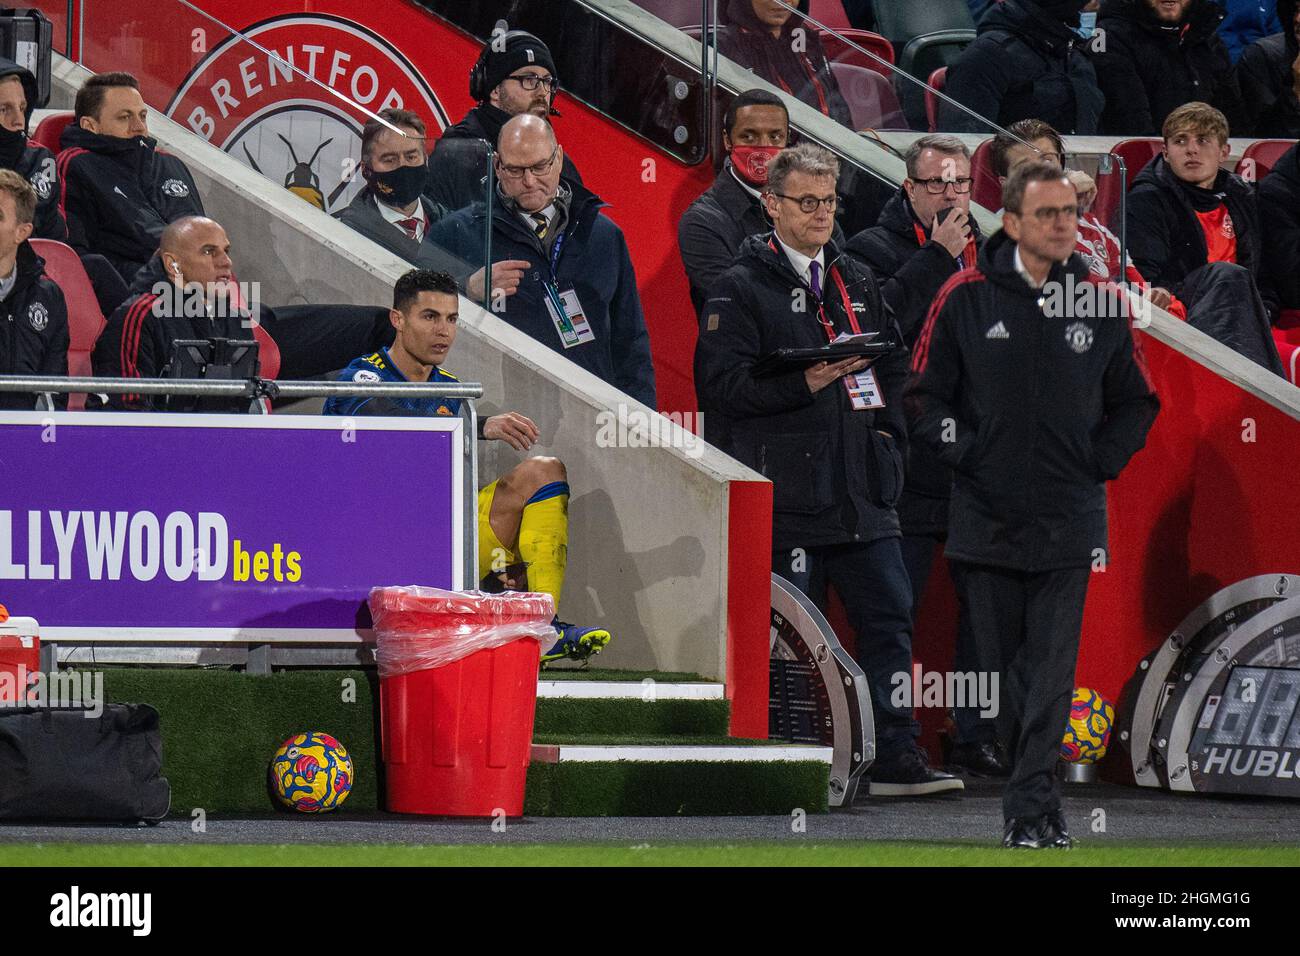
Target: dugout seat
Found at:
49, 130
936, 81
839, 51
986, 191
85, 321
1136, 153
871, 98
1260, 157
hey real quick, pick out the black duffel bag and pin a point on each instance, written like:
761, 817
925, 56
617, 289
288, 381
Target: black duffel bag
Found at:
64, 764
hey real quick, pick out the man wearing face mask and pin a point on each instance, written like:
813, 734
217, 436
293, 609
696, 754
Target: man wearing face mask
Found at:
392, 211
119, 190
754, 129
514, 74
1027, 61
1158, 55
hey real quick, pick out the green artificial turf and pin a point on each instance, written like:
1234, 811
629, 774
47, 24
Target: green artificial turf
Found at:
662, 718
788, 852
633, 789
221, 728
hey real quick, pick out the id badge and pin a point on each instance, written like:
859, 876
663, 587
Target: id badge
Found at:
570, 321
864, 391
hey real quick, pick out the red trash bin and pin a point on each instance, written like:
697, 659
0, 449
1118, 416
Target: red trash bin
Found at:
457, 696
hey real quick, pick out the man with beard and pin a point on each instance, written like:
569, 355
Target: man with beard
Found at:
1158, 55
1269, 75
1026, 62
514, 74
755, 128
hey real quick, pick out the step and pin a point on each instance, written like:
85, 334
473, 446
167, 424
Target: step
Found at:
587, 753
635, 704
647, 690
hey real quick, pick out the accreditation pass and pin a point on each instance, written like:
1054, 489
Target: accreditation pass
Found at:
567, 314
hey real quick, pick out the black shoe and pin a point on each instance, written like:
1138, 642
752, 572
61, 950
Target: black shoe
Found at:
910, 775
1026, 833
980, 760
1055, 831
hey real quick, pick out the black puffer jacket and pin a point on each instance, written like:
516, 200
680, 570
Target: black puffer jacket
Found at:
1264, 73
836, 477
33, 162
1279, 193
459, 161
1024, 64
1165, 238
35, 328
1147, 68
1046, 410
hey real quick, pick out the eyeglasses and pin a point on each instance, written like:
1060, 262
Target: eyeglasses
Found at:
936, 187
1052, 213
810, 203
537, 169
530, 82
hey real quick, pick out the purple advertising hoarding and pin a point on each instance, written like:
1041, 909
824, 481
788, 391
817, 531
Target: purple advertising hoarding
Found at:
222, 527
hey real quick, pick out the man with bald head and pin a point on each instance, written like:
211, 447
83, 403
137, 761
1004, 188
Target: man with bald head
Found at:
578, 294
186, 291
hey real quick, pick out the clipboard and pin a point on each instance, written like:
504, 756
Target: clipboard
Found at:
797, 359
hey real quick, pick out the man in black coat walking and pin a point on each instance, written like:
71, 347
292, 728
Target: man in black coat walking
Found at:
1027, 62
1034, 408
1268, 74
829, 437
1155, 55
1194, 229
514, 74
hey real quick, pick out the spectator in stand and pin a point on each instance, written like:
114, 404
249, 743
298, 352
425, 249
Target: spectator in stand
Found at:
36, 342
1269, 75
1025, 63
1096, 244
119, 190
1279, 193
830, 437
1246, 22
925, 236
755, 128
1158, 55
579, 294
760, 37
37, 165
514, 75
1194, 229
391, 210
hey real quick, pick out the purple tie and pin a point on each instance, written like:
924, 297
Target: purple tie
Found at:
815, 274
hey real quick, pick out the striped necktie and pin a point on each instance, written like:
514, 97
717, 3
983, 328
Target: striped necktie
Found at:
540, 224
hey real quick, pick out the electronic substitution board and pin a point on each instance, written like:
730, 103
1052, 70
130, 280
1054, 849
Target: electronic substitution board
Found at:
818, 694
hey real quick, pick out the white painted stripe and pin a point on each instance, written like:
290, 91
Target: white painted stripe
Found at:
647, 690
573, 753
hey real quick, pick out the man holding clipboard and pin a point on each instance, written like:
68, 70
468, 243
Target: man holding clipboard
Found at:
799, 371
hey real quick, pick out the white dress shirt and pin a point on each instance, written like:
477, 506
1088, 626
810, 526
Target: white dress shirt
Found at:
395, 216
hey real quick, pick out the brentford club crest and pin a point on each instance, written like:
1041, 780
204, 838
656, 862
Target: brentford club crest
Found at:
287, 127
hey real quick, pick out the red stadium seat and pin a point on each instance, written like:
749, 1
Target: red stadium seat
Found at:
831, 13
49, 130
873, 104
268, 353
986, 191
1290, 353
85, 321
936, 81
1260, 157
838, 51
1136, 153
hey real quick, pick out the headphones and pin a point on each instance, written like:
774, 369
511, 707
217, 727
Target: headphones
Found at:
478, 73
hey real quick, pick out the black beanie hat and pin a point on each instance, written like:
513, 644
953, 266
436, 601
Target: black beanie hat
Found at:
521, 51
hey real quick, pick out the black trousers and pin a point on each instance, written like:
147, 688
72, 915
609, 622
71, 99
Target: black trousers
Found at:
1025, 627
872, 582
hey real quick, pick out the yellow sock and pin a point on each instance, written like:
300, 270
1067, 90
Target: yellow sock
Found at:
544, 539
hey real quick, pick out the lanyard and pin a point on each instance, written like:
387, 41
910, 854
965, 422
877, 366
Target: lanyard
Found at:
968, 255
553, 287
829, 327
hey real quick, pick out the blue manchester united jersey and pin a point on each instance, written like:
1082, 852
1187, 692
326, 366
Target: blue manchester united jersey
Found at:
379, 367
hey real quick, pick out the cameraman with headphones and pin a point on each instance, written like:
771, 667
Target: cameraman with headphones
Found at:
514, 74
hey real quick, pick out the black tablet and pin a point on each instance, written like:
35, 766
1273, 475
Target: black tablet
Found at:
788, 360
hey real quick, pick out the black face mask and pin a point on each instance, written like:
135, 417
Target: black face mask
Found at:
398, 187
12, 145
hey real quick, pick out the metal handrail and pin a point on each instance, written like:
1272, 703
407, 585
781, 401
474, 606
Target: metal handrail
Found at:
245, 388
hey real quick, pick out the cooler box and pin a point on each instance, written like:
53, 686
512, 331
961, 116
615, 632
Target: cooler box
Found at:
457, 695
20, 657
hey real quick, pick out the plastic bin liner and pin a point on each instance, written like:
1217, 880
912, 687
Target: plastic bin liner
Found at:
419, 628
